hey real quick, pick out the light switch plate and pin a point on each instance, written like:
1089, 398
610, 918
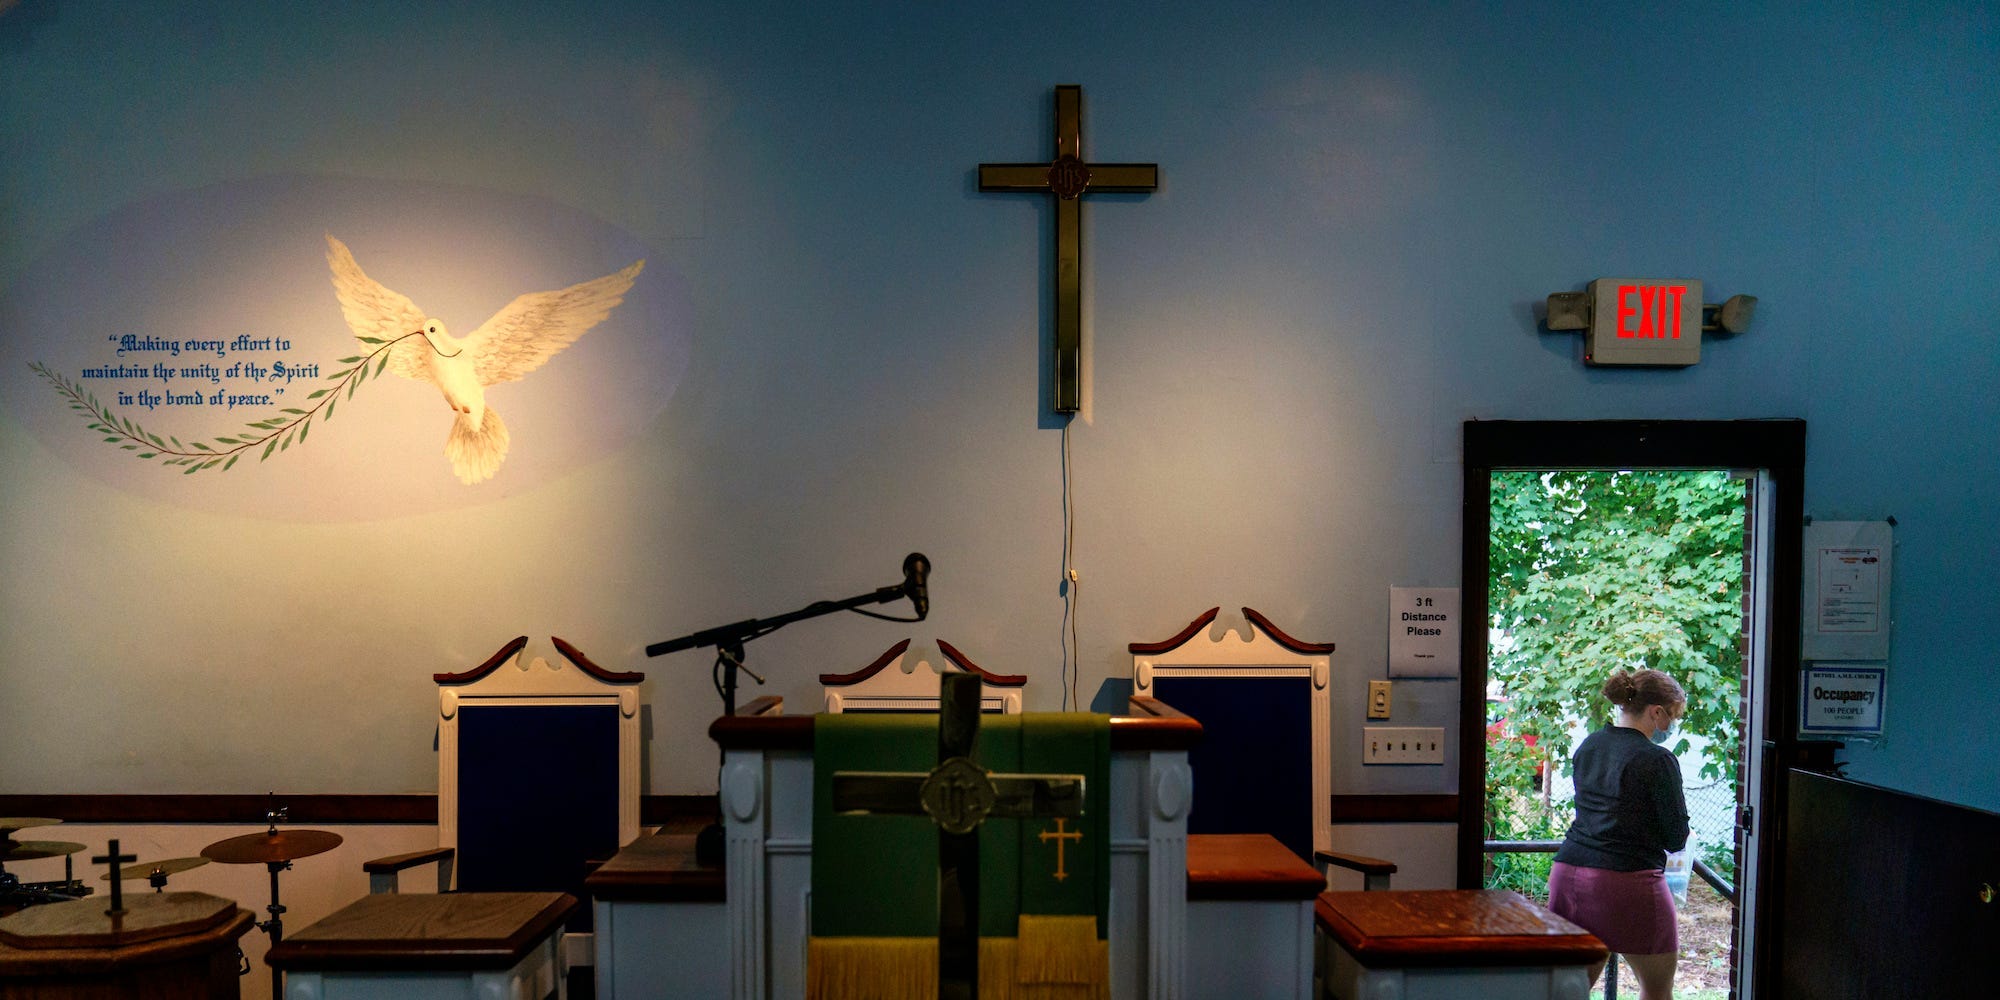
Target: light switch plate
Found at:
1402, 745
1378, 699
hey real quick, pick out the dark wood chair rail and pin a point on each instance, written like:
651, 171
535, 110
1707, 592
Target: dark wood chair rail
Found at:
399, 862
1355, 862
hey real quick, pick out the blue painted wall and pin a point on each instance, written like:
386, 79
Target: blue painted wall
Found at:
1360, 207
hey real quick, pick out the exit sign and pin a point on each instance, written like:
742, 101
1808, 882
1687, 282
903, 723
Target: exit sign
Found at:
1643, 321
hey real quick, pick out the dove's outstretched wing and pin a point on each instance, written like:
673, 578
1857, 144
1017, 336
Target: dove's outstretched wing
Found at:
372, 310
535, 326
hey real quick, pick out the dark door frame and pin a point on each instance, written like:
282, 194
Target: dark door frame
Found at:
1775, 446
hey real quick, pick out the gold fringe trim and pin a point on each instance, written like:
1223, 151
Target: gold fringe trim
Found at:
892, 968
996, 969
1056, 958
1060, 949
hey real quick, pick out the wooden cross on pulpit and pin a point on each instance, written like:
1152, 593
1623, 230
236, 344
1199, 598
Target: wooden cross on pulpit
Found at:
1069, 178
113, 859
958, 795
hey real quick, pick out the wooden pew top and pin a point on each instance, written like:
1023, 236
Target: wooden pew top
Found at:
659, 868
1247, 866
1452, 927
450, 931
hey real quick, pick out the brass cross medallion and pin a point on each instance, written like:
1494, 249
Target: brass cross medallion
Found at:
1069, 178
958, 795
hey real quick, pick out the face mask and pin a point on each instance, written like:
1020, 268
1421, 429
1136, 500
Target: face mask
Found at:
1663, 735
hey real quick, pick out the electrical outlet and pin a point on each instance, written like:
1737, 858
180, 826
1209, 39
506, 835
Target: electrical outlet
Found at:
1402, 745
1378, 699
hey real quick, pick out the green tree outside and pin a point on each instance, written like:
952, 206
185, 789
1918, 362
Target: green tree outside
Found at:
1593, 571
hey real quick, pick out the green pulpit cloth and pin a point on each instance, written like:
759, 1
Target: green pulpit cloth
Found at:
1044, 884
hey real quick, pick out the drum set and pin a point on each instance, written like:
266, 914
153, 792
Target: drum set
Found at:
16, 894
273, 848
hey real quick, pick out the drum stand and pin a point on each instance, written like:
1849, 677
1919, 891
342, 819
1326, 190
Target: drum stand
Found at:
275, 927
276, 851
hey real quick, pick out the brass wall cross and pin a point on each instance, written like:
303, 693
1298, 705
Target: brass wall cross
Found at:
958, 795
1069, 178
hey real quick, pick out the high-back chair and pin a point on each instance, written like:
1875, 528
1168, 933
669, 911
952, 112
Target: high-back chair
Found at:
1264, 762
883, 686
538, 776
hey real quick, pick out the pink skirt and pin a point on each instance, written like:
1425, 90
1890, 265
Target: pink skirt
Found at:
1631, 912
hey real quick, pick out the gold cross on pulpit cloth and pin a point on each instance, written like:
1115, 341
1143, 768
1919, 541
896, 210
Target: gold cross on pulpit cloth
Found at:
1069, 178
958, 795
1059, 835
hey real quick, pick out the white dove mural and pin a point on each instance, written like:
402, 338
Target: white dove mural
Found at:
513, 342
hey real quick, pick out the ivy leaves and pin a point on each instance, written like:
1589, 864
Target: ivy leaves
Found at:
1593, 571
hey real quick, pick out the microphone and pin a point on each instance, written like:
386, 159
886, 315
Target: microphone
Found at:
916, 574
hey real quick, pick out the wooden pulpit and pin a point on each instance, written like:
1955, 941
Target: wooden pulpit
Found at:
958, 795
166, 946
767, 794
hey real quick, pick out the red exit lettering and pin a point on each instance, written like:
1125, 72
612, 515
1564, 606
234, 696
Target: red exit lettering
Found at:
1658, 311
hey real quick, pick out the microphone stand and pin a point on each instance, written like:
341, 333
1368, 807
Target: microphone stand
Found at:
728, 641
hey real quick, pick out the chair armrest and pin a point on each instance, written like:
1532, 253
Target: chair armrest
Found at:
1375, 872
382, 871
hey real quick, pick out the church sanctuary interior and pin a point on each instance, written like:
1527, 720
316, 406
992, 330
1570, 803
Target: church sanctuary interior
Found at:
776, 500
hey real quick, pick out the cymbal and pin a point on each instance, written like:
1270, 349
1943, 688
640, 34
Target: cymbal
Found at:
146, 869
263, 848
8, 824
28, 850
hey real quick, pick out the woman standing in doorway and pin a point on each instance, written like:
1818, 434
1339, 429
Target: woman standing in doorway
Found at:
1610, 873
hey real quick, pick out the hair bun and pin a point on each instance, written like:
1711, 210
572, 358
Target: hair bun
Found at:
1620, 688
1633, 690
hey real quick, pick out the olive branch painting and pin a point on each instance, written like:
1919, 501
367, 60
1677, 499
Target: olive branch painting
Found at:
406, 341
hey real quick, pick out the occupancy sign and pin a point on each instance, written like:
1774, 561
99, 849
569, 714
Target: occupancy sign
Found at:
1423, 631
1841, 700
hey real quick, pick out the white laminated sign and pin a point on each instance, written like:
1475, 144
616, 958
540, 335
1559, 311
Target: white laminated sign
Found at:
1847, 590
1423, 631
1841, 701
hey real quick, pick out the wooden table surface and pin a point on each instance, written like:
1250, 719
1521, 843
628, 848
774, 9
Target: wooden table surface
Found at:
1460, 927
659, 868
82, 923
459, 930
1247, 866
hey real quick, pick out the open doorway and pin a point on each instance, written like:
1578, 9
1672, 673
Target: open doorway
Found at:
1595, 570
1594, 546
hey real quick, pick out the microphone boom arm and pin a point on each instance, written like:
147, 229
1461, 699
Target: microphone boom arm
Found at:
751, 628
728, 639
